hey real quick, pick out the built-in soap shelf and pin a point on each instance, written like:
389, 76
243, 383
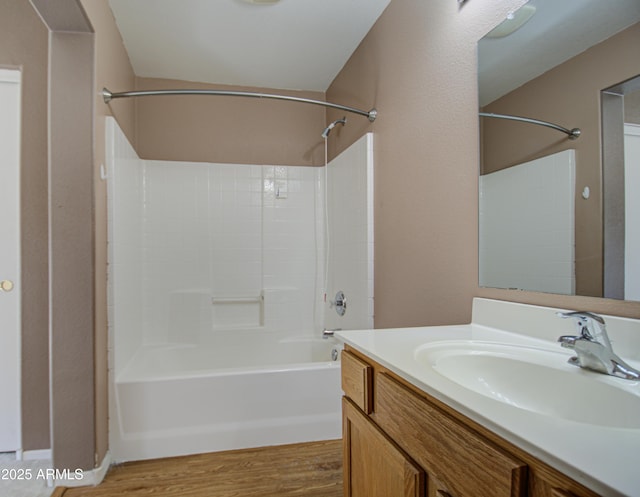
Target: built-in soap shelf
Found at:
237, 300
238, 311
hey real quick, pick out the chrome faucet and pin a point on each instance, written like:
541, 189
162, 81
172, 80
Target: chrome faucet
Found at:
329, 333
593, 347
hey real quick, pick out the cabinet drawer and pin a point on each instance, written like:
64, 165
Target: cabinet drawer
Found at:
463, 461
356, 381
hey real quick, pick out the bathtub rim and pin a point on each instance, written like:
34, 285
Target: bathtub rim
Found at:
205, 373
131, 374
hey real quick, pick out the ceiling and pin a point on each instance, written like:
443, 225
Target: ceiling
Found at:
293, 44
559, 30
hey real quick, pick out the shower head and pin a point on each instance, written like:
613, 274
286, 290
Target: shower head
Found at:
328, 129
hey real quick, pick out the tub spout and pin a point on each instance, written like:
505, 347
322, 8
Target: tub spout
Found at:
329, 333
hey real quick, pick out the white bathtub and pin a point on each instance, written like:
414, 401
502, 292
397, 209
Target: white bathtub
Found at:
245, 389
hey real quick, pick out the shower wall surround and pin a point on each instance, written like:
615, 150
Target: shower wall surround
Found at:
125, 252
198, 247
531, 244
217, 286
350, 234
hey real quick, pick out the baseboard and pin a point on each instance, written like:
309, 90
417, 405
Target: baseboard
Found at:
33, 455
87, 478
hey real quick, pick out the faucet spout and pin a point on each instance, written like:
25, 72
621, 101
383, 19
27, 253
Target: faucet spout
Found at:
329, 333
593, 347
567, 341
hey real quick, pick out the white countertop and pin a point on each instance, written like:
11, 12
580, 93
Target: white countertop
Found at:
602, 458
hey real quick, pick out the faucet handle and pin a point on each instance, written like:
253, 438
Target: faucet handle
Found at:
590, 326
581, 315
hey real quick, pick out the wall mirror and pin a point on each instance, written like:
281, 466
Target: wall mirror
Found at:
547, 204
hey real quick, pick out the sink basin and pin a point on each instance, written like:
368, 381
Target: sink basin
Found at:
535, 379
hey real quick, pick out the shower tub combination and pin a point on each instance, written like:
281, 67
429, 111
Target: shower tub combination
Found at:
215, 303
186, 399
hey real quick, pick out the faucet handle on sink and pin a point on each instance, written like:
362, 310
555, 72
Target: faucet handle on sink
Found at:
581, 314
590, 326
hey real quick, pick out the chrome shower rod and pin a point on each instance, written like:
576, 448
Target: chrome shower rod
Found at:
108, 96
573, 133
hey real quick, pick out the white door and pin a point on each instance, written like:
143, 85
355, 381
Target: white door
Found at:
9, 260
632, 212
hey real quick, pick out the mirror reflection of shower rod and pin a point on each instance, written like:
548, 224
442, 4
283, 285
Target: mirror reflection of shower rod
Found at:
573, 133
108, 96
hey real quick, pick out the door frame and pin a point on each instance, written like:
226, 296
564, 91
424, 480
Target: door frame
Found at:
14, 76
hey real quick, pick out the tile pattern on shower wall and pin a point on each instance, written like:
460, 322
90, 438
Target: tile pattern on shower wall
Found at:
229, 233
125, 255
184, 235
174, 232
202, 240
291, 247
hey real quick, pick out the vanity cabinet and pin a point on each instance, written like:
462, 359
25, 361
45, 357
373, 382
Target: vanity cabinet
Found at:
398, 441
376, 466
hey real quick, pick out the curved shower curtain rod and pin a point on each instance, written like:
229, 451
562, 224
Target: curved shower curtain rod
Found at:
573, 133
108, 96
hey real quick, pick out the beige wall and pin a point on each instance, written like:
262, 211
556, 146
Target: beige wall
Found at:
228, 129
569, 95
71, 249
24, 45
71, 244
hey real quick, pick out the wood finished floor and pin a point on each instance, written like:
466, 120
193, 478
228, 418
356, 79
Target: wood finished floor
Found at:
310, 469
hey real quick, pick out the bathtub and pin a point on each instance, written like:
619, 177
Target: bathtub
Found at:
244, 389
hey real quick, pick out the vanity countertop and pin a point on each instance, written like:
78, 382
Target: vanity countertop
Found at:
601, 457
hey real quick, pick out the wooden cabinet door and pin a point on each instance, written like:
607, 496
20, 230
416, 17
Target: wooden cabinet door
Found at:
435, 488
373, 465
